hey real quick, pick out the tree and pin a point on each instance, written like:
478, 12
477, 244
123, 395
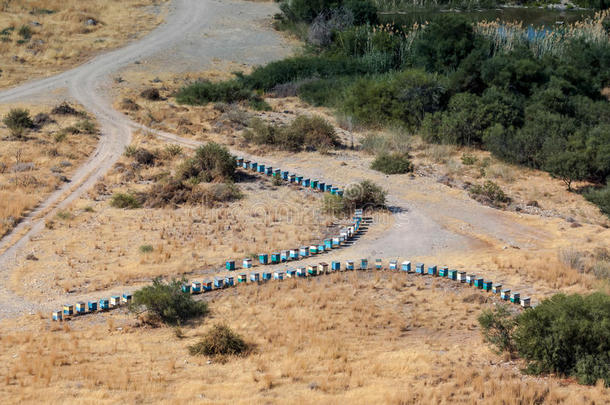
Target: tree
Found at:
18, 121
498, 326
568, 166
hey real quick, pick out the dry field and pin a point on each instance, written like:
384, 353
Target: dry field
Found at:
42, 37
92, 246
348, 337
35, 165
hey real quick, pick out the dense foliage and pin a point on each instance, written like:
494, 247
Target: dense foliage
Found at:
220, 341
18, 121
566, 334
392, 163
167, 302
212, 162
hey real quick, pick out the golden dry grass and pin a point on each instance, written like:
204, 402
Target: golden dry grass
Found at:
51, 157
62, 38
344, 338
94, 246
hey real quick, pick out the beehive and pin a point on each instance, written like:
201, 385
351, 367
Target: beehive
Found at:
304, 251
68, 309
328, 188
487, 285
269, 171
525, 302
266, 275
443, 271
292, 178
291, 273
305, 183
328, 244
195, 287
229, 281
284, 175
349, 265
364, 264
321, 186
336, 242
92, 306
81, 308
126, 298
496, 288
115, 301
393, 264
242, 278
378, 264
298, 179
294, 254
321, 248
312, 270
261, 169
285, 256
453, 274
57, 316
239, 161
514, 298
419, 268
505, 294
406, 266
322, 268
314, 184
277, 173
230, 265
302, 272
278, 275
247, 263
333, 190
432, 270
478, 282
275, 258
219, 282
254, 277
470, 278
313, 249
335, 266
246, 164
104, 304
254, 166
461, 276
207, 285
263, 258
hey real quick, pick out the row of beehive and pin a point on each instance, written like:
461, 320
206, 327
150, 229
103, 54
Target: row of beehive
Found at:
311, 270
81, 308
287, 176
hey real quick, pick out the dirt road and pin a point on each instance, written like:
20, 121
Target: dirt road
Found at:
197, 32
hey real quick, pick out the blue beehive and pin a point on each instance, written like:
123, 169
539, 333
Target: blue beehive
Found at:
432, 270
263, 258
478, 282
292, 178
284, 175
261, 168
419, 268
285, 255
104, 304
278, 275
196, 287
269, 171
68, 309
294, 254
487, 285
277, 173
246, 164
92, 306
496, 288
81, 308
275, 258
239, 161
505, 294
349, 265
302, 272
321, 248
333, 190
470, 279
443, 271
406, 266
336, 242
328, 187
266, 275
207, 285
304, 251
291, 273
230, 265
453, 275
313, 249
393, 264
247, 263
335, 266
321, 186
364, 264
298, 179
514, 298
57, 316
126, 298
186, 288
378, 264
525, 302
254, 277
229, 281
328, 244
340, 193
314, 184
242, 278
305, 183
254, 166
219, 282
461, 276
312, 270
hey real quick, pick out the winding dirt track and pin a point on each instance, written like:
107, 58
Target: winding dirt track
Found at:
88, 84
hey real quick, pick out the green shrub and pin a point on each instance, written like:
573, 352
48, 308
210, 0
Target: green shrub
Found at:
600, 197
497, 327
220, 341
204, 92
365, 194
146, 249
168, 303
489, 193
125, 201
334, 205
65, 215
25, 32
172, 150
212, 162
18, 121
469, 159
394, 163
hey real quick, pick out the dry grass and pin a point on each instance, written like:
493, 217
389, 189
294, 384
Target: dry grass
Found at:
349, 338
61, 36
30, 168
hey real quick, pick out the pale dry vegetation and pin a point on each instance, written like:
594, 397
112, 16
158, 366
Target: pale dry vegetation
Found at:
61, 33
37, 163
348, 337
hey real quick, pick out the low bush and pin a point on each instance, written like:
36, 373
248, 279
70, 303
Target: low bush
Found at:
146, 249
25, 32
489, 193
363, 195
18, 121
469, 159
220, 341
305, 132
565, 334
64, 109
175, 193
204, 92
144, 157
394, 163
212, 162
167, 302
125, 201
151, 94
601, 198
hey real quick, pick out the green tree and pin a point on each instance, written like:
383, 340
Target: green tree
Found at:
498, 326
18, 121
